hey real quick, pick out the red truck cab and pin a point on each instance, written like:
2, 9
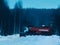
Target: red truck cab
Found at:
43, 30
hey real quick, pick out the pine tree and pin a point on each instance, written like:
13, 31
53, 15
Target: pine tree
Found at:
5, 19
17, 17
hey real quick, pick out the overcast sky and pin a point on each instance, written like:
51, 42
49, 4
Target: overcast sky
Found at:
36, 3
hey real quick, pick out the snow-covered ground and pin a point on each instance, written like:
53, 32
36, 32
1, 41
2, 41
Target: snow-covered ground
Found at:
29, 40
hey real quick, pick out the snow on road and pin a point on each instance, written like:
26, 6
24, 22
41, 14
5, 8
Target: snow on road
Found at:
29, 40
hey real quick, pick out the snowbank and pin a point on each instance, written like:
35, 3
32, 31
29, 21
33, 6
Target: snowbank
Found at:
29, 40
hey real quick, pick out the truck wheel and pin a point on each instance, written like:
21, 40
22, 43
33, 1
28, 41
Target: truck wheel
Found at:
59, 32
51, 32
22, 34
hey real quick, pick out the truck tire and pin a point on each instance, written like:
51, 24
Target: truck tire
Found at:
22, 35
59, 32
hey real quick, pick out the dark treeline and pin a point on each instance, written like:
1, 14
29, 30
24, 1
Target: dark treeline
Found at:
9, 20
6, 19
57, 20
13, 21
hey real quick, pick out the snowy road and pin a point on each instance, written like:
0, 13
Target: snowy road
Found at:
30, 40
